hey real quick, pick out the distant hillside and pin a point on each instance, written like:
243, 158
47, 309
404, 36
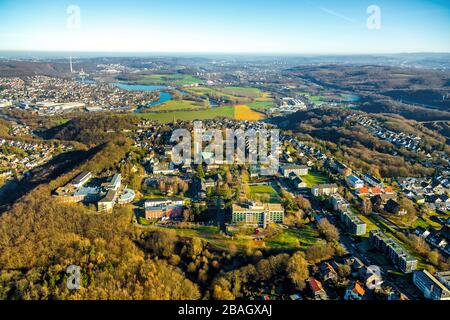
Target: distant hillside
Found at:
54, 68
328, 129
418, 94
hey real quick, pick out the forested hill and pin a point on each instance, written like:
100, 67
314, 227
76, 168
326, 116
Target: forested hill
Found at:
329, 129
92, 129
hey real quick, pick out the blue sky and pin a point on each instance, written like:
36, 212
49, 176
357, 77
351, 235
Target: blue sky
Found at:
234, 26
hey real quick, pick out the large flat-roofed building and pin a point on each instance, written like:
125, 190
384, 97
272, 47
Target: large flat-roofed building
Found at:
164, 208
299, 170
89, 194
158, 202
81, 179
324, 190
339, 203
396, 253
127, 196
353, 223
66, 194
434, 288
114, 183
107, 203
354, 182
257, 214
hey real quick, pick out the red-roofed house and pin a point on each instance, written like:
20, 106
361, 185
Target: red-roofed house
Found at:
317, 289
388, 190
354, 291
375, 191
363, 191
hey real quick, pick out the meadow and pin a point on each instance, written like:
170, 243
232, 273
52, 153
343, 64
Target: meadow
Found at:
226, 112
177, 105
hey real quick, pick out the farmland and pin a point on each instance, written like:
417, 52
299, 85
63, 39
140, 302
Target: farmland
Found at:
227, 112
244, 112
177, 105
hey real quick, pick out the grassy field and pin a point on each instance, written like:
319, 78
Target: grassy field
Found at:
182, 110
244, 112
227, 112
175, 79
243, 92
203, 91
314, 178
173, 105
255, 191
301, 238
261, 105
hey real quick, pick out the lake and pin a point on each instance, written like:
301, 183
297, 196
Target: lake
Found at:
164, 96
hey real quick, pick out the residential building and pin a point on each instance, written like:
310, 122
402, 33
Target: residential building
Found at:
397, 254
299, 170
353, 223
354, 182
327, 272
342, 168
324, 190
339, 203
354, 291
317, 289
432, 287
257, 214
372, 181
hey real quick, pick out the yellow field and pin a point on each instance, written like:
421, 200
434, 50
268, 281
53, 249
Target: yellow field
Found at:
243, 112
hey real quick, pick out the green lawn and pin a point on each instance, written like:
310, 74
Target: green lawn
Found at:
242, 92
227, 112
258, 190
314, 178
301, 238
